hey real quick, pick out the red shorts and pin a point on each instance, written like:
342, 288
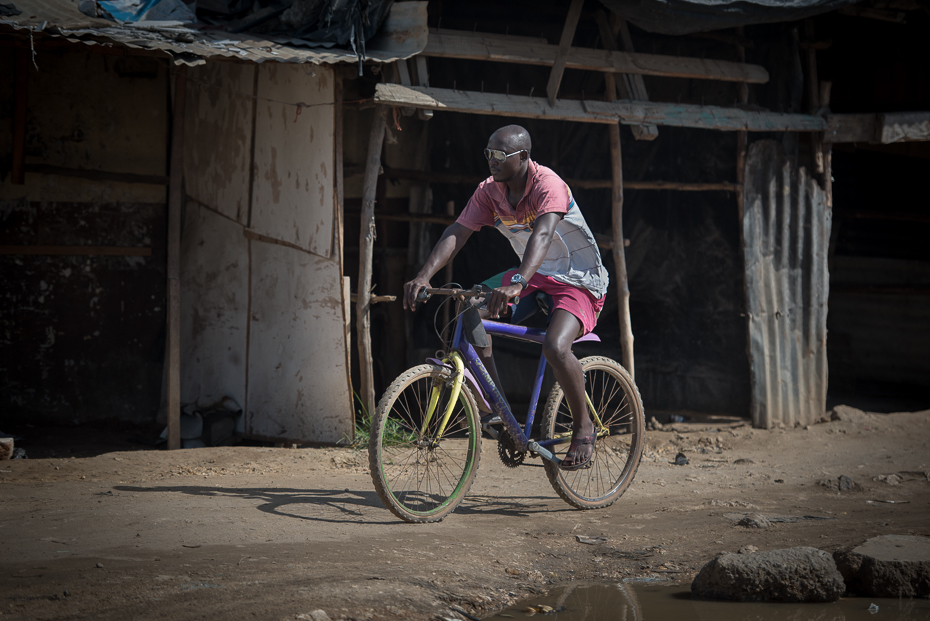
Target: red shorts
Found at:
576, 300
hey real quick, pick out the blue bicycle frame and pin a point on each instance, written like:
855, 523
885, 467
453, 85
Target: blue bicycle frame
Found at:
520, 436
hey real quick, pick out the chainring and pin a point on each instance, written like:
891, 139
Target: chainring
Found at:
509, 455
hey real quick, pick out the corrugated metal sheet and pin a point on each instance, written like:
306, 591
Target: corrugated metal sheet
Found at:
404, 34
786, 230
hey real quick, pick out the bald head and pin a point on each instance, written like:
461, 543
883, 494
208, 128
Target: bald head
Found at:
514, 138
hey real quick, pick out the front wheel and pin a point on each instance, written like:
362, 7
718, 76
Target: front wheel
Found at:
418, 474
619, 445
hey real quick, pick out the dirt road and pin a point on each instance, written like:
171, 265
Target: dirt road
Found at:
274, 533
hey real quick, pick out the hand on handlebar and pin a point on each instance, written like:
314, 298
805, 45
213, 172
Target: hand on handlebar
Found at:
497, 300
411, 291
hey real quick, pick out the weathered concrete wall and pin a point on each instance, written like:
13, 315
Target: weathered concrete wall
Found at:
81, 335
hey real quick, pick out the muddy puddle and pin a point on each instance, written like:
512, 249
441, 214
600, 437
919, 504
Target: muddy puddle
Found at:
638, 601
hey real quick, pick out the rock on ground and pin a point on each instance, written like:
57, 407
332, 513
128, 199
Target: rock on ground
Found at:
887, 566
791, 575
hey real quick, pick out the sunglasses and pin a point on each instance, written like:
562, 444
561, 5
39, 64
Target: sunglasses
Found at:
499, 156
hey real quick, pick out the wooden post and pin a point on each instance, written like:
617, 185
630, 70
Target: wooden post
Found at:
623, 287
447, 276
175, 198
813, 89
366, 256
827, 148
741, 137
20, 100
339, 232
565, 44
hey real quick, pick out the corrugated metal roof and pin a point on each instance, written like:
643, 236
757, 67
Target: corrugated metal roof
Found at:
786, 231
404, 34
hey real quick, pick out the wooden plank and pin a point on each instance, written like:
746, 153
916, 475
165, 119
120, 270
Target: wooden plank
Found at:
366, 246
96, 175
879, 128
850, 128
484, 103
339, 229
438, 32
626, 112
498, 48
703, 117
20, 100
565, 44
904, 127
175, 199
90, 251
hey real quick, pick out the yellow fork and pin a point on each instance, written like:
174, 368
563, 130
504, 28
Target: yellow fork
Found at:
459, 377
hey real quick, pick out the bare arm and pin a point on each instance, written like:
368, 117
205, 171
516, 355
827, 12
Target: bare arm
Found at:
452, 240
533, 257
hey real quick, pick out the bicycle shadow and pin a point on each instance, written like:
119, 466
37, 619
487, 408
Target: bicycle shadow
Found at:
285, 502
510, 506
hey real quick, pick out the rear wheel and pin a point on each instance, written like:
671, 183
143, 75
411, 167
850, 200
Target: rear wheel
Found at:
420, 478
619, 445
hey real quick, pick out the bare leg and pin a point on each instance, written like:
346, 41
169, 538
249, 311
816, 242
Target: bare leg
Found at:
486, 354
561, 333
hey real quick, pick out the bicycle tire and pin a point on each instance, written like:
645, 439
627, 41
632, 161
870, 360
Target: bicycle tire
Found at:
418, 480
617, 455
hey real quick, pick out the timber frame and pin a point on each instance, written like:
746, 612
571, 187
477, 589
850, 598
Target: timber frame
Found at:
626, 103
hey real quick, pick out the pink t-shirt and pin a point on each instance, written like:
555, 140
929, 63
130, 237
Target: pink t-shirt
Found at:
573, 257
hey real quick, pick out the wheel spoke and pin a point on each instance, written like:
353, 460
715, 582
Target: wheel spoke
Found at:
420, 476
614, 460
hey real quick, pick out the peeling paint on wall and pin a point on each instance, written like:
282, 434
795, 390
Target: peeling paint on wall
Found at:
290, 142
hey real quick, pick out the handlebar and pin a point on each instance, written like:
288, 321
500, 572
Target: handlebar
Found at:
426, 292
475, 292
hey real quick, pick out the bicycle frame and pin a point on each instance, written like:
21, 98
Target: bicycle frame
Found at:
463, 355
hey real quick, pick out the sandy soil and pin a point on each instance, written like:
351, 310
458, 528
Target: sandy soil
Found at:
275, 533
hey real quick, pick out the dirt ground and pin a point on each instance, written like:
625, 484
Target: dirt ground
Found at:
277, 533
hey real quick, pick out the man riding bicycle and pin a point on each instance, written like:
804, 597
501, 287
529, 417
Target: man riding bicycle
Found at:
531, 206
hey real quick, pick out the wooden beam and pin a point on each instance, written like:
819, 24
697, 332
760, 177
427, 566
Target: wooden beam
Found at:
90, 251
366, 252
850, 128
484, 103
499, 48
704, 117
20, 100
565, 44
813, 95
903, 127
619, 86
339, 235
878, 128
175, 199
96, 175
617, 248
626, 112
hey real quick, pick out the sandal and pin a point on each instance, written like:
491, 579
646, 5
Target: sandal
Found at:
573, 450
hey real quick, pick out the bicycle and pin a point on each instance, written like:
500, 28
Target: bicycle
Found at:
425, 442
